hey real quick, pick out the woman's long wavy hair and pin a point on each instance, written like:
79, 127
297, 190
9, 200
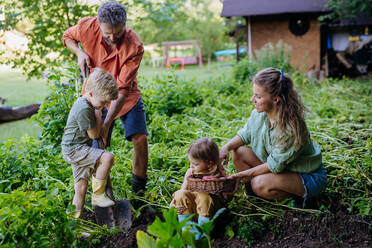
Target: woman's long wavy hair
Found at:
290, 109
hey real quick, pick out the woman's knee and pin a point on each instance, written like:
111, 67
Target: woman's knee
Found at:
260, 185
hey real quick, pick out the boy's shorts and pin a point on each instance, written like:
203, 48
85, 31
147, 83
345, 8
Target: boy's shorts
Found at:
314, 182
83, 160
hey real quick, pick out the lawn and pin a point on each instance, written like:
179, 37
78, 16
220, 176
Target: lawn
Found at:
19, 92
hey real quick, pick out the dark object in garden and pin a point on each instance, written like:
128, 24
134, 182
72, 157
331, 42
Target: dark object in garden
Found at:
299, 25
212, 184
8, 113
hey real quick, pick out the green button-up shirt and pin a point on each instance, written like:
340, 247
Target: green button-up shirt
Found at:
280, 155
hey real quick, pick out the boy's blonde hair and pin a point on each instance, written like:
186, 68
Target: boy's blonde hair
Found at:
103, 84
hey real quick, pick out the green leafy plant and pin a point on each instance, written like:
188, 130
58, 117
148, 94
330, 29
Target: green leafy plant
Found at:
33, 219
168, 233
244, 70
172, 233
53, 112
249, 230
170, 95
277, 56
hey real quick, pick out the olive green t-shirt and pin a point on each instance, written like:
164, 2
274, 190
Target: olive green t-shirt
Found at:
80, 119
280, 154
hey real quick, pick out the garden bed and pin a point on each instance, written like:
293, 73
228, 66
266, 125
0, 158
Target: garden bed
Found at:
295, 229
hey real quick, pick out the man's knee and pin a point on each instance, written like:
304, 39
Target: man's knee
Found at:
139, 140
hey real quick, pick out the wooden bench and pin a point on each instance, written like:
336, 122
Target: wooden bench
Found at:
188, 60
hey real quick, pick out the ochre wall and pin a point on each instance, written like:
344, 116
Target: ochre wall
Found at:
305, 49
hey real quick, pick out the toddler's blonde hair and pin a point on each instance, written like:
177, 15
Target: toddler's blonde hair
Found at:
103, 84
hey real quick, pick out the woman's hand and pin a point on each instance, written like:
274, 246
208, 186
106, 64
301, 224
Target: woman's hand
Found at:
247, 175
224, 155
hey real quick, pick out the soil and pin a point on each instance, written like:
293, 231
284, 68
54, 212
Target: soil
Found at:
295, 229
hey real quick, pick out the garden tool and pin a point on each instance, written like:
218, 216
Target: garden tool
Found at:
118, 215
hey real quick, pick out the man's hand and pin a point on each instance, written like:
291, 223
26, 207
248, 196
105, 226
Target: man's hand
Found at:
83, 59
104, 132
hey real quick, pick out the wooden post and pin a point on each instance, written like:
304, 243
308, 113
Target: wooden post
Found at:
237, 42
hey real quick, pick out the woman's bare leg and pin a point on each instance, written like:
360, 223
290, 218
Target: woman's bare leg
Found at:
244, 159
278, 186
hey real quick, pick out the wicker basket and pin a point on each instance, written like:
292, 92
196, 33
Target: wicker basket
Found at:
211, 184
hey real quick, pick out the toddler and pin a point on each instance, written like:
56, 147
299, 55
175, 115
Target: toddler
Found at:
203, 155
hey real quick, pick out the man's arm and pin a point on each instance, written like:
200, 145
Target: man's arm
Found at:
83, 58
115, 108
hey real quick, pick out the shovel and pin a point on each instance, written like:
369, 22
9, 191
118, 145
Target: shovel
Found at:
118, 215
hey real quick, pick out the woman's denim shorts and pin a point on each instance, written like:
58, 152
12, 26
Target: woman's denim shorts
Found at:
314, 182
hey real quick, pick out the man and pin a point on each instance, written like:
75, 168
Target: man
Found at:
110, 45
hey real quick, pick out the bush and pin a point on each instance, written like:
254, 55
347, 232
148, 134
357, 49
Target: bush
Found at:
53, 112
250, 230
277, 56
244, 70
170, 95
33, 219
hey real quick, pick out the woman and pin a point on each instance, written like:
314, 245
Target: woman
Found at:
281, 160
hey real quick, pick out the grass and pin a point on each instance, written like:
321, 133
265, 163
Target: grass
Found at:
193, 72
19, 92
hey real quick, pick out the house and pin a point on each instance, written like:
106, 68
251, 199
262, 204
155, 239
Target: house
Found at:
295, 22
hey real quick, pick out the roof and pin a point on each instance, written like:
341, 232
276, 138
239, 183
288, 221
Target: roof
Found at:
358, 21
270, 7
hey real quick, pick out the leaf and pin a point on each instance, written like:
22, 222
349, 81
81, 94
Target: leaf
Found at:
144, 240
163, 230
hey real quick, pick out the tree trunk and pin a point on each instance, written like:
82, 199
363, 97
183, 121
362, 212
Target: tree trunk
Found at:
8, 113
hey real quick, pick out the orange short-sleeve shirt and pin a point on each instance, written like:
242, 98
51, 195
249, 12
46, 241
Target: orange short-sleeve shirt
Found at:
123, 62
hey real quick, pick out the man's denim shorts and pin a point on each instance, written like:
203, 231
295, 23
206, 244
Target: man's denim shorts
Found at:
314, 182
134, 122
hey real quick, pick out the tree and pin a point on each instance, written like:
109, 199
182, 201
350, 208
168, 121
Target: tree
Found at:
48, 20
44, 21
347, 10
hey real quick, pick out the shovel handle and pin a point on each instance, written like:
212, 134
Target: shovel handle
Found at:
86, 69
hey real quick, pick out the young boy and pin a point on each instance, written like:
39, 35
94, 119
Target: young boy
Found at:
83, 125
